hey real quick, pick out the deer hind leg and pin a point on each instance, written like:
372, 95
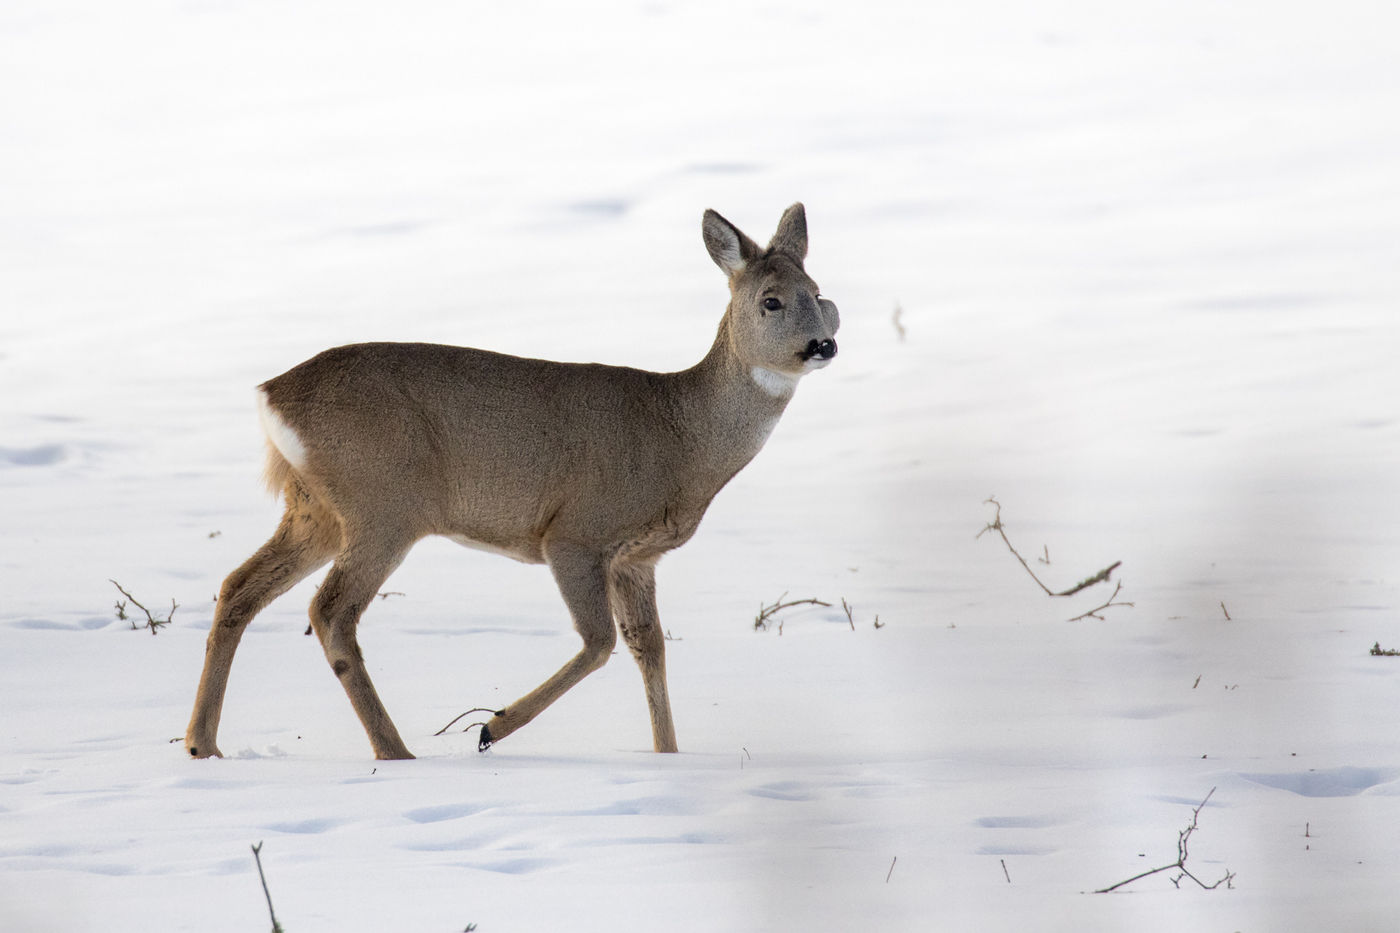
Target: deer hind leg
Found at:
306, 539
633, 588
583, 582
352, 583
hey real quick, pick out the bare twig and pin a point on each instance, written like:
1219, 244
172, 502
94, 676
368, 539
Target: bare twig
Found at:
479, 709
1182, 840
257, 857
1224, 610
152, 622
1005, 871
850, 615
1094, 613
766, 613
996, 525
890, 873
1101, 577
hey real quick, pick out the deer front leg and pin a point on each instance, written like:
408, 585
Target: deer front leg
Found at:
634, 602
583, 582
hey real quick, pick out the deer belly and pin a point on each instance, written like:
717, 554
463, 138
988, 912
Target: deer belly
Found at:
524, 555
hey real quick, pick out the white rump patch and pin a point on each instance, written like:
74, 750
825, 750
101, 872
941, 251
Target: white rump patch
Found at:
773, 382
280, 433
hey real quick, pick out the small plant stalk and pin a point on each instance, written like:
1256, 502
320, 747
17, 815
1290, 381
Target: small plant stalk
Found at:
257, 857
766, 613
1101, 577
152, 622
1182, 840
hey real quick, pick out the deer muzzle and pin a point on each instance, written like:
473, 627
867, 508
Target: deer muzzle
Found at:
819, 350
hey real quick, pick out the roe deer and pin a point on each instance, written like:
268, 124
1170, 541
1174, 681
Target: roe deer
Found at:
594, 470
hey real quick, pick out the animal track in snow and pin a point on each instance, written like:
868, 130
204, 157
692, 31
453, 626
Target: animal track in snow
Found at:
304, 827
1015, 822
516, 866
658, 805
1345, 781
43, 455
784, 790
88, 624
1010, 847
446, 811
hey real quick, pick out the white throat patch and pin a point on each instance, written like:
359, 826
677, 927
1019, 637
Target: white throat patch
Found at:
773, 382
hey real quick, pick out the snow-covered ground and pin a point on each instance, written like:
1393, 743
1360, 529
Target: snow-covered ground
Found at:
1145, 259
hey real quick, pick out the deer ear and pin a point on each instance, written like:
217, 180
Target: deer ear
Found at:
728, 246
791, 237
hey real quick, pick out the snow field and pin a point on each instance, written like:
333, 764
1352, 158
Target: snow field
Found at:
1145, 260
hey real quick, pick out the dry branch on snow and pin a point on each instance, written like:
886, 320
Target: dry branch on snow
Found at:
766, 613
1182, 840
1101, 577
152, 622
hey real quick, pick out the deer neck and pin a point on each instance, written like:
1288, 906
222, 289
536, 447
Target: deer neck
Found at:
729, 407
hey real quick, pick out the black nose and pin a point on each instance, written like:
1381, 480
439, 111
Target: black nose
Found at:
822, 349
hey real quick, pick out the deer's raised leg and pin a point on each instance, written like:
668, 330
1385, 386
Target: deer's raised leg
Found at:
634, 601
583, 581
303, 542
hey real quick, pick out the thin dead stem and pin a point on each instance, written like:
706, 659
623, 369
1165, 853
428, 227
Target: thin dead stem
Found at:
152, 622
766, 613
1101, 577
1182, 843
460, 716
1111, 604
257, 857
850, 615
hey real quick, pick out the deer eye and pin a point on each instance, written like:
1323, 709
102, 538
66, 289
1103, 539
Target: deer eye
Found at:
771, 304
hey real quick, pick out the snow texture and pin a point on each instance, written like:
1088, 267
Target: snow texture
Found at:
1144, 258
